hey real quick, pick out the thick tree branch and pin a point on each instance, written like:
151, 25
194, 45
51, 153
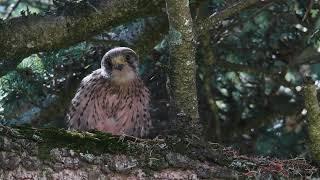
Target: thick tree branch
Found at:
22, 36
27, 153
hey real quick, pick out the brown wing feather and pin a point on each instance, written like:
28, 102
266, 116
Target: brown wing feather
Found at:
82, 114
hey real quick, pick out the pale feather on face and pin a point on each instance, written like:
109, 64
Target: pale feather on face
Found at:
127, 72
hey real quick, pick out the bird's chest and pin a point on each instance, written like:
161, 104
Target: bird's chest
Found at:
125, 113
126, 107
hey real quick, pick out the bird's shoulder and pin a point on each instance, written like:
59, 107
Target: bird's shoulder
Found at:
95, 76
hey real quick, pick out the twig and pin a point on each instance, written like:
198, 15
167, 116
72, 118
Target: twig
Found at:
11, 8
310, 5
94, 8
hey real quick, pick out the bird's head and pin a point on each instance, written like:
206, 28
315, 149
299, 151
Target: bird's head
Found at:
121, 63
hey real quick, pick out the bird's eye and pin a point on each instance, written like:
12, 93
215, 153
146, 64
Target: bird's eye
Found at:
128, 57
109, 64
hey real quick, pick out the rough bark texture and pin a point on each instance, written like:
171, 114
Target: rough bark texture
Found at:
182, 59
312, 106
27, 153
56, 154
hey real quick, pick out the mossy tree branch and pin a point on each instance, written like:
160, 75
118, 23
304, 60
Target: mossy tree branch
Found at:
28, 153
25, 35
28, 34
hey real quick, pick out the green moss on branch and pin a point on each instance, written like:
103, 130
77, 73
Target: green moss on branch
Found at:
95, 142
46, 152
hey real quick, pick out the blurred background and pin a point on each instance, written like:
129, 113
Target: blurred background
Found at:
250, 98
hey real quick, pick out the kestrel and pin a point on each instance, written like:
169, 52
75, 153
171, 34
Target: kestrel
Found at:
113, 98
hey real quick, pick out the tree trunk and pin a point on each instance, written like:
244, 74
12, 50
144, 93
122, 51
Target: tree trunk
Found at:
182, 73
312, 106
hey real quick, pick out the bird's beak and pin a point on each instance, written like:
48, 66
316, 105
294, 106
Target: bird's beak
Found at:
119, 66
119, 63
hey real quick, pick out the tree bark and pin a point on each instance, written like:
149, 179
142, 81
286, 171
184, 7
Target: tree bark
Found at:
182, 73
312, 106
28, 153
